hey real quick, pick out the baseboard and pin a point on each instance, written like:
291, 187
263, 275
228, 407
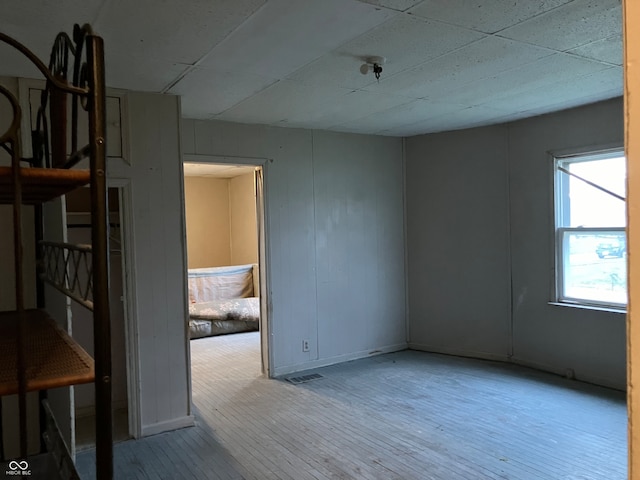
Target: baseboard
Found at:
604, 382
167, 426
324, 362
601, 381
459, 352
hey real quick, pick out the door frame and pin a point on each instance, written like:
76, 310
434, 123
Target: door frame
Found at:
266, 335
123, 185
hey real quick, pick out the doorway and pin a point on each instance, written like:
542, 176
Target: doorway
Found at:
224, 224
78, 221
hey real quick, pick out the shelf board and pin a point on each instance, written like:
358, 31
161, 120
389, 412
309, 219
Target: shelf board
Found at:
53, 358
40, 185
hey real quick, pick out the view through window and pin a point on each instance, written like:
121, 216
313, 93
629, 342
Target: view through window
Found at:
591, 241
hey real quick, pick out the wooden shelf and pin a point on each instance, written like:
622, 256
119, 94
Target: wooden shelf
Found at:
40, 185
53, 358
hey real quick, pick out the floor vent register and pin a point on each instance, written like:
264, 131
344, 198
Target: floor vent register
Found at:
304, 378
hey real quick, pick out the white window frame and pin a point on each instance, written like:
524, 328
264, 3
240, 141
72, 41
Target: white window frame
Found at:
561, 247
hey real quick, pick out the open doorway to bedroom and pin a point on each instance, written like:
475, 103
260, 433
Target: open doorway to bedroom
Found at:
224, 222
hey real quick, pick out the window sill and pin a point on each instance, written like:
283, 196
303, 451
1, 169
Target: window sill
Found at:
620, 310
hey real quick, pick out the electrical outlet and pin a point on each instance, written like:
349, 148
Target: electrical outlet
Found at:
305, 345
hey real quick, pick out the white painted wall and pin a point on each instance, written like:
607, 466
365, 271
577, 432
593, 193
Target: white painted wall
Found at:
153, 178
335, 237
359, 227
150, 174
156, 188
480, 238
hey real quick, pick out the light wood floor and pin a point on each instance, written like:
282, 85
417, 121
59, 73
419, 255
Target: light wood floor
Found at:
407, 415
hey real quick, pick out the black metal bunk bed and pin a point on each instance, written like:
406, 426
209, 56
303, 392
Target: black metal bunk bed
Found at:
35, 353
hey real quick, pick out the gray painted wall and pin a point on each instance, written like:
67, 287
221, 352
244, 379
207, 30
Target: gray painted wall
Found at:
592, 343
334, 212
480, 238
458, 242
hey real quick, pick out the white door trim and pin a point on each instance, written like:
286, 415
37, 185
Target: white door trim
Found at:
130, 304
266, 335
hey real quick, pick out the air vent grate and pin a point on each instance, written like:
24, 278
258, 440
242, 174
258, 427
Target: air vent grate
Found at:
304, 378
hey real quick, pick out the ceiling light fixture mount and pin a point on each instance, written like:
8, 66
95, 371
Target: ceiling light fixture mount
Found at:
373, 64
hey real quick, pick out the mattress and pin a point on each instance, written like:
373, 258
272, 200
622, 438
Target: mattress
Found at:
224, 316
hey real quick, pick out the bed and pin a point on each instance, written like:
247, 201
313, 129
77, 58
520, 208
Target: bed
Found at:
223, 300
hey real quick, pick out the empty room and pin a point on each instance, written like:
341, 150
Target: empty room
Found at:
436, 241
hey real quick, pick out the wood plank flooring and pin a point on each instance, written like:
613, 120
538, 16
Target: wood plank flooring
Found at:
407, 415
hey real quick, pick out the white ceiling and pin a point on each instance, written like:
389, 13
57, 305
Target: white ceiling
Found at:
450, 63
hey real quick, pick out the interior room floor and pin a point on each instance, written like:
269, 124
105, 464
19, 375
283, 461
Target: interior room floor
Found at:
406, 415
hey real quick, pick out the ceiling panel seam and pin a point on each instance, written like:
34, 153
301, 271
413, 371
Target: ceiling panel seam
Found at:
201, 59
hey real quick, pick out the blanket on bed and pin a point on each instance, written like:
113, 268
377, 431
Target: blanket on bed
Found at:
245, 309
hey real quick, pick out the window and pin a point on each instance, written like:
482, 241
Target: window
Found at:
590, 218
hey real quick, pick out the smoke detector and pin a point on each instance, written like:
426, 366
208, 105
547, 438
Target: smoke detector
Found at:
372, 64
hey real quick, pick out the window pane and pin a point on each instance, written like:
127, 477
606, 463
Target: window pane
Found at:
594, 267
588, 206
